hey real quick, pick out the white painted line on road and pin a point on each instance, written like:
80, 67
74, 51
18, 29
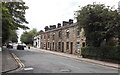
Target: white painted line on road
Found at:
65, 70
28, 68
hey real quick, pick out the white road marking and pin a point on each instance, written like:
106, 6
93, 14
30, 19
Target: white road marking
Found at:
28, 68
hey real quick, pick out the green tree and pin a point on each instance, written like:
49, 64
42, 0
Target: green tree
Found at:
40, 32
13, 17
27, 37
24, 38
100, 22
13, 36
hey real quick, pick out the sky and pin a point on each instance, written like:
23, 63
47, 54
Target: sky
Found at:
43, 13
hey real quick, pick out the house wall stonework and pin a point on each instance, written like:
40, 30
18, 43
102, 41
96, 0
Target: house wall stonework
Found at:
64, 39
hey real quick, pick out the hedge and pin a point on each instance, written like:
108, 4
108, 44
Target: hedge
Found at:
105, 52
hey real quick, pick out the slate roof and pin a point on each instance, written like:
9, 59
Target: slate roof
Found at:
62, 27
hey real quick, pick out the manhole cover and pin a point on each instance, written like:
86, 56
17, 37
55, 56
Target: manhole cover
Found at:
30, 68
65, 70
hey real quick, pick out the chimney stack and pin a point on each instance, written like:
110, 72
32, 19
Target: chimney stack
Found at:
54, 26
46, 28
58, 25
51, 27
65, 23
70, 21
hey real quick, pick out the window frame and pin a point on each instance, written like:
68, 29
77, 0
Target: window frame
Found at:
78, 32
53, 36
60, 34
67, 33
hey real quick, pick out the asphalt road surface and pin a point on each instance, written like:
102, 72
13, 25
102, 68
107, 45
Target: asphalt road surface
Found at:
37, 61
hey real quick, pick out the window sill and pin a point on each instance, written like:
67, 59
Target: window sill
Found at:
78, 36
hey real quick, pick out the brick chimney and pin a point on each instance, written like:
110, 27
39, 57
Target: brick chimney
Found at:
65, 23
58, 25
70, 21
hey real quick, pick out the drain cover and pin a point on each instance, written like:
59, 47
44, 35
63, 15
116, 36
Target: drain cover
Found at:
65, 70
30, 68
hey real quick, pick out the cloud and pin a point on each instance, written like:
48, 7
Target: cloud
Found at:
42, 13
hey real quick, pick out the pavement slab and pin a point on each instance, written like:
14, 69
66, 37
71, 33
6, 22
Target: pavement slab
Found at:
8, 62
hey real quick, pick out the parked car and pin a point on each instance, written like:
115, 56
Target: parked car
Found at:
0, 49
24, 45
9, 45
20, 47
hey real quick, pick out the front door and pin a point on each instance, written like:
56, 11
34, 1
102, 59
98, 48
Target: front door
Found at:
62, 46
71, 48
50, 46
46, 46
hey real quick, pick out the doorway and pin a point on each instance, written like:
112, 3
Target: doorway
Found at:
71, 47
62, 46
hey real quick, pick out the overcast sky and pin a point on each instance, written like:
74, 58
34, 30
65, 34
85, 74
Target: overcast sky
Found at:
43, 13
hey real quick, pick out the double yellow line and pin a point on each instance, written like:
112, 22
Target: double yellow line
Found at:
21, 65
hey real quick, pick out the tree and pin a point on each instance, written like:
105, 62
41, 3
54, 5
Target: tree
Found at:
40, 32
13, 16
33, 32
99, 22
24, 38
13, 36
27, 37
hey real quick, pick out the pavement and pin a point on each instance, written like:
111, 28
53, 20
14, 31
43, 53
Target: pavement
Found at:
8, 62
77, 57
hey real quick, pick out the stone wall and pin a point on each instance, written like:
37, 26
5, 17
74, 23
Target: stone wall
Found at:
51, 39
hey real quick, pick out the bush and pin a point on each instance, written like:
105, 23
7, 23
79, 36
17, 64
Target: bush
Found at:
105, 52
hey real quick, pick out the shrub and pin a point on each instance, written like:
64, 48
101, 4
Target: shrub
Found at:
105, 52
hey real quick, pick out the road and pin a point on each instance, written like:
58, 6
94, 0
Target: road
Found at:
37, 61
